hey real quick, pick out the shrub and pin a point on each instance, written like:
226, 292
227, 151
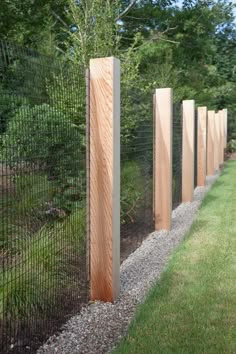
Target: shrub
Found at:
23, 211
42, 137
132, 190
231, 147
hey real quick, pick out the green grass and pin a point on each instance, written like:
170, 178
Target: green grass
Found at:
43, 254
48, 262
22, 208
192, 309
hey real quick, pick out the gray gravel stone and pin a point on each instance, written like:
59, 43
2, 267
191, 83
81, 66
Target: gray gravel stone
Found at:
100, 326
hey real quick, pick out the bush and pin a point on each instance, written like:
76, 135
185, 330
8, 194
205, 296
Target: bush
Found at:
231, 147
24, 210
132, 190
42, 137
9, 104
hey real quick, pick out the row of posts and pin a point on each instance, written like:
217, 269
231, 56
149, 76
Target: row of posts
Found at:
104, 167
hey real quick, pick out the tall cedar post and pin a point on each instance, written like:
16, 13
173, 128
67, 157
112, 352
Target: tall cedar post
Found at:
163, 106
104, 179
210, 143
201, 146
188, 150
221, 117
154, 155
216, 163
225, 126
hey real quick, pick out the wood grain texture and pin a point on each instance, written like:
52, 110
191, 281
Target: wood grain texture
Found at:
104, 179
225, 127
201, 146
216, 165
188, 150
210, 143
87, 78
221, 118
154, 156
163, 157
217, 142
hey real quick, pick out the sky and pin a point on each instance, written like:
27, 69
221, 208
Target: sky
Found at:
233, 1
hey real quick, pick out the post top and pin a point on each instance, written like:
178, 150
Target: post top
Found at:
107, 59
189, 104
166, 90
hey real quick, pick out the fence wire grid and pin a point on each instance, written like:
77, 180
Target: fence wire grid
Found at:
43, 196
177, 155
44, 181
136, 167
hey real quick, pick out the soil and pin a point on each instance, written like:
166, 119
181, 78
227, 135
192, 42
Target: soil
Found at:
233, 156
133, 234
230, 156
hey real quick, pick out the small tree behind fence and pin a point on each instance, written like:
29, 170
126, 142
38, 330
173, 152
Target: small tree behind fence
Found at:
85, 169
136, 166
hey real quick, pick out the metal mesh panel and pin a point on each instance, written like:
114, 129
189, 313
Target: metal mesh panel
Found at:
177, 156
231, 134
43, 196
136, 167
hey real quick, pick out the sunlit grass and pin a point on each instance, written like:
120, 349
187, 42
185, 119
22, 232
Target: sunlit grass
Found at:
192, 309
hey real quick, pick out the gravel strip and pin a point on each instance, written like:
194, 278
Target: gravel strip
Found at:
100, 326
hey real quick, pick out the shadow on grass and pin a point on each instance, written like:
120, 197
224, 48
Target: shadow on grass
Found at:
209, 199
196, 227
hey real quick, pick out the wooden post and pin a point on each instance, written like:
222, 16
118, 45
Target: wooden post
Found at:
217, 145
104, 179
221, 118
154, 156
188, 150
163, 157
201, 146
210, 143
225, 126
216, 166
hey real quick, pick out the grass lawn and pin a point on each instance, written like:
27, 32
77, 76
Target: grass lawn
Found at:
192, 309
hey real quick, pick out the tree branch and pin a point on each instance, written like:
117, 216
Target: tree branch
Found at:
123, 13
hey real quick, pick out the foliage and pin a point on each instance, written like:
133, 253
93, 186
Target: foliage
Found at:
42, 113
43, 137
8, 107
33, 285
132, 190
23, 211
92, 30
231, 147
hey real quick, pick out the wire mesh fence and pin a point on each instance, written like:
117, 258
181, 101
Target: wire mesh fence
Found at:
44, 182
136, 167
177, 156
231, 125
43, 196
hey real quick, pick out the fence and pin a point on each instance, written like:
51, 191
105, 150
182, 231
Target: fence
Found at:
43, 196
136, 196
79, 195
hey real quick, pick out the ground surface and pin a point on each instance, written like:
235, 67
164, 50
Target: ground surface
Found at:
100, 326
192, 309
